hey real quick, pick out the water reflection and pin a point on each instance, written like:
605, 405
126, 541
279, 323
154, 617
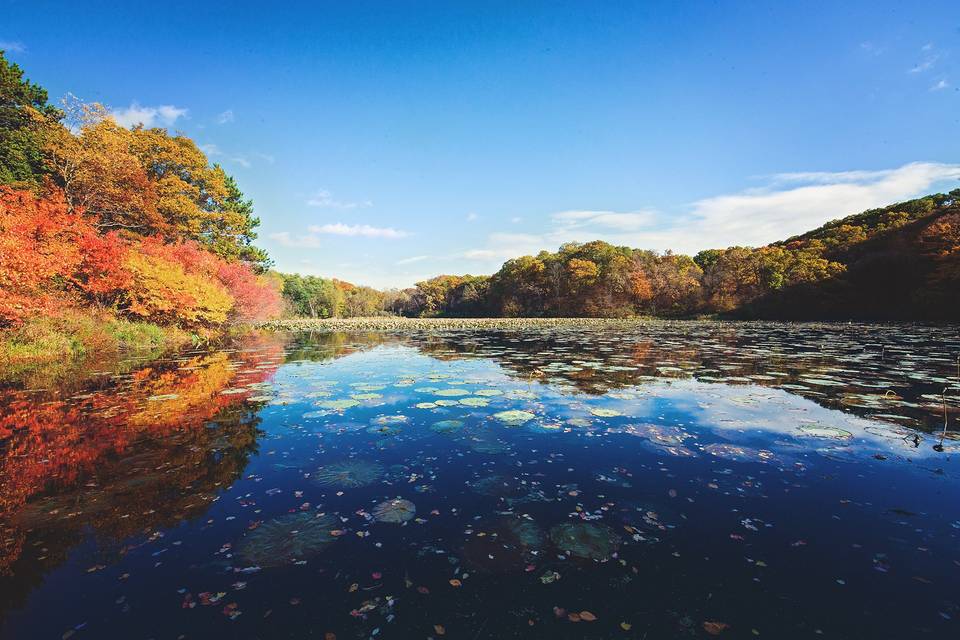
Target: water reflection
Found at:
502, 483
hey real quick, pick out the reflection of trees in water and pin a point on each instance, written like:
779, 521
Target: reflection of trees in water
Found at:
849, 367
145, 453
320, 346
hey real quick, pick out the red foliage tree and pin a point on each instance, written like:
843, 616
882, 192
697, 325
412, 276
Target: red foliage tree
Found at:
102, 272
39, 252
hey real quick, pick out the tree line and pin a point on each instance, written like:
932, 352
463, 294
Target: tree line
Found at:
900, 261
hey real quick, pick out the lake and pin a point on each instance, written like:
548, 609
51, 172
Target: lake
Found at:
662, 480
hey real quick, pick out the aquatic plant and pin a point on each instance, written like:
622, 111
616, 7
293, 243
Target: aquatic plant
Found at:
349, 474
481, 445
451, 392
498, 486
604, 413
514, 417
396, 511
283, 540
503, 544
738, 453
587, 540
447, 426
824, 431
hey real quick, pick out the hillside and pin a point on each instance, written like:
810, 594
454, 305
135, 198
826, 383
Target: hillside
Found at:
900, 262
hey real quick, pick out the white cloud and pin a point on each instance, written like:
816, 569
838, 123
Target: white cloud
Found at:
516, 220
412, 259
224, 117
503, 246
632, 221
164, 115
214, 151
286, 239
313, 237
471, 217
789, 204
363, 230
939, 86
930, 58
12, 46
325, 199
760, 216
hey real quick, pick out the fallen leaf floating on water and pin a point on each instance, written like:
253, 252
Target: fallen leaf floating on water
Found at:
715, 628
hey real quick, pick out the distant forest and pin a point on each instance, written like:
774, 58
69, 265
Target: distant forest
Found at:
901, 262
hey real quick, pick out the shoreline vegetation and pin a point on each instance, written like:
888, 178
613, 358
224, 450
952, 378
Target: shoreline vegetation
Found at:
119, 241
399, 324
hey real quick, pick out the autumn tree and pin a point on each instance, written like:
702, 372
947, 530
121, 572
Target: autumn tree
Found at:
163, 291
40, 240
99, 172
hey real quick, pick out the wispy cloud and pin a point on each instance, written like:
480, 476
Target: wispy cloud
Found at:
872, 48
632, 221
362, 230
164, 115
787, 205
939, 86
412, 259
213, 151
504, 246
324, 199
313, 237
287, 239
12, 46
225, 117
801, 201
930, 58
245, 160
472, 217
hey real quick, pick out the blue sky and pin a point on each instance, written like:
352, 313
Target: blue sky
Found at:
386, 142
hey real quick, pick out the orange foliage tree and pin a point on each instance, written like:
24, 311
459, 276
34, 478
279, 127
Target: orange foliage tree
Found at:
39, 252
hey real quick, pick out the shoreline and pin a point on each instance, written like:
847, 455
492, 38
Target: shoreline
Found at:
400, 324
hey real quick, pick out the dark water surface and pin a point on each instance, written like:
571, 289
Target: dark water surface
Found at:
677, 480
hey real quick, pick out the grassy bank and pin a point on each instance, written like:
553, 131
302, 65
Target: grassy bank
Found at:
78, 335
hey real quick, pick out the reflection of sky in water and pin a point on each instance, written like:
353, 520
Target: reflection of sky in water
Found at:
374, 488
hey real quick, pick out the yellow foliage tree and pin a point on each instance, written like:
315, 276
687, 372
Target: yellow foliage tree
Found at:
163, 292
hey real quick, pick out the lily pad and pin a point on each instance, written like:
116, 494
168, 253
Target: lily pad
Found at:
587, 540
349, 473
514, 417
283, 540
396, 511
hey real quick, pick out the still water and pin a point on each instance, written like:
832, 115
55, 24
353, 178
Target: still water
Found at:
674, 480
